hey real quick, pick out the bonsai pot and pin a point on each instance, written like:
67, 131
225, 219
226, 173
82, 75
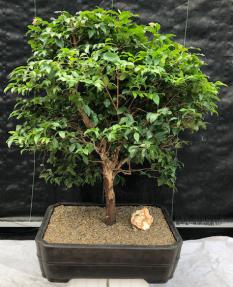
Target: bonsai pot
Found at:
62, 262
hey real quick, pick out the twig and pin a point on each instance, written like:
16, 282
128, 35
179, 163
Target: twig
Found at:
118, 88
122, 162
130, 170
139, 109
96, 161
110, 98
131, 103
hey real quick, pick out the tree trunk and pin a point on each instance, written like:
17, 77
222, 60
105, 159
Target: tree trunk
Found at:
108, 179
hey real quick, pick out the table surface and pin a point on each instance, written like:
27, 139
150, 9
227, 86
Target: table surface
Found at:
205, 262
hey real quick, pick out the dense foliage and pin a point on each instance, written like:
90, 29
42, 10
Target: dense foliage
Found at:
101, 88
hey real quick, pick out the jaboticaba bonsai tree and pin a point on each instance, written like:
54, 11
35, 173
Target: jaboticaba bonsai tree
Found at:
103, 96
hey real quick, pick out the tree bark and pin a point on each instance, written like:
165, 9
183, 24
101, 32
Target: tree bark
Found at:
108, 180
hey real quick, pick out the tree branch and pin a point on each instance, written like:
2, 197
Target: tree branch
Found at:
124, 171
74, 41
96, 161
106, 89
130, 170
138, 110
121, 163
86, 120
129, 107
118, 89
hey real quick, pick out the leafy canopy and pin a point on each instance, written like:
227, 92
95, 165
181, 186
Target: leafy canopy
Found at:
97, 78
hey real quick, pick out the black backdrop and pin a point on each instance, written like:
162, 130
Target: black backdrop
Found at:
205, 188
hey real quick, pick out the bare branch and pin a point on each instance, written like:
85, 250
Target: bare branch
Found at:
86, 120
118, 89
141, 110
121, 163
131, 103
124, 171
96, 161
115, 107
74, 41
130, 170
143, 169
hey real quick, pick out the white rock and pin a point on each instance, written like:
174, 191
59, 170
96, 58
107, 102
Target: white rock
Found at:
142, 219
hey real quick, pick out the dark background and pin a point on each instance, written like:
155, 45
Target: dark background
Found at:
205, 184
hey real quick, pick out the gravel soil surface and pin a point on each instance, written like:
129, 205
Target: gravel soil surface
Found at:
85, 225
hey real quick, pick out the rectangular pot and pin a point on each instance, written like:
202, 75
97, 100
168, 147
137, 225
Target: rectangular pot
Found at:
62, 262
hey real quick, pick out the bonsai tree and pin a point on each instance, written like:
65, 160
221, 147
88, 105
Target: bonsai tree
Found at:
103, 96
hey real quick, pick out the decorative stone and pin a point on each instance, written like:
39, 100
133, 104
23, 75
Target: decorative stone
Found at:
141, 219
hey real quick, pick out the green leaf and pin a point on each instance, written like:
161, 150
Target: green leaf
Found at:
152, 117
87, 110
55, 143
154, 97
99, 85
111, 57
36, 138
105, 80
107, 103
136, 136
10, 141
62, 134
133, 151
122, 110
72, 147
91, 33
85, 159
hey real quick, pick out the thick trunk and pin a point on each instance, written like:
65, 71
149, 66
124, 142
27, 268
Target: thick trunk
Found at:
108, 179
